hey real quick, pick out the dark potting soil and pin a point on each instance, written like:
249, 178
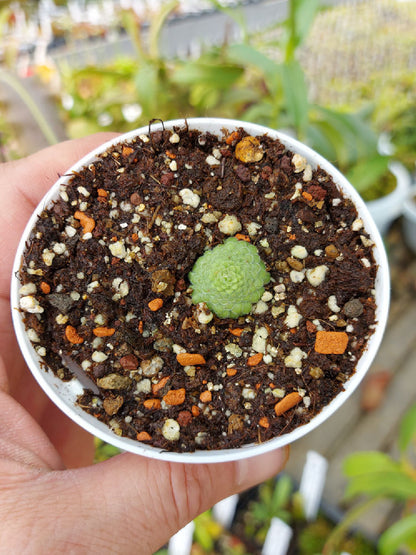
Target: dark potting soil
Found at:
105, 283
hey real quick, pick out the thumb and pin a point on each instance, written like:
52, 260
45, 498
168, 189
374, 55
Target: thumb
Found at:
134, 505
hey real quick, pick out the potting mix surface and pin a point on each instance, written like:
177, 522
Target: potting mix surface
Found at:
106, 283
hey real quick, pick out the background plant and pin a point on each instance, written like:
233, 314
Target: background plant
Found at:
374, 476
230, 80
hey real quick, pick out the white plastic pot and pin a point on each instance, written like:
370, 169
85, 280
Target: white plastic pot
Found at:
409, 219
64, 394
385, 210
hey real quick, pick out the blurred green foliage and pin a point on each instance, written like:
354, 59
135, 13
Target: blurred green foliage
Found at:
374, 476
231, 80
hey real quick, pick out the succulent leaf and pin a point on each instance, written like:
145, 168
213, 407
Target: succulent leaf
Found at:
229, 278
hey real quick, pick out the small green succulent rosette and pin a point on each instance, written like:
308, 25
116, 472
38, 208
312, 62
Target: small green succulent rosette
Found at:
229, 278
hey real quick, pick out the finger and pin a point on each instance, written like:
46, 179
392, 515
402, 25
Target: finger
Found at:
143, 502
28, 179
22, 441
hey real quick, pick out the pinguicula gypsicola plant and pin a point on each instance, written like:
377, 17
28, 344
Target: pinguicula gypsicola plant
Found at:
229, 278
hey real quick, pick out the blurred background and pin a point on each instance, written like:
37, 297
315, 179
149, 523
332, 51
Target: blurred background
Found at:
339, 75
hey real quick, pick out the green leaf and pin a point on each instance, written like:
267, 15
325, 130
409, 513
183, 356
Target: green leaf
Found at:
156, 26
398, 535
281, 493
245, 54
261, 113
301, 16
407, 430
367, 172
355, 138
147, 85
214, 75
295, 95
319, 141
236, 14
304, 14
393, 484
368, 462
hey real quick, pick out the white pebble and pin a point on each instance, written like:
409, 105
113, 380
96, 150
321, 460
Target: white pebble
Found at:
61, 319
259, 340
229, 225
85, 364
83, 191
190, 198
294, 359
297, 277
316, 276
298, 251
99, 356
299, 162
118, 249
252, 228
171, 430
144, 386
293, 317
248, 393
233, 349
357, 224
332, 304
28, 289
32, 335
307, 174
260, 308
47, 257
30, 304
212, 161
209, 218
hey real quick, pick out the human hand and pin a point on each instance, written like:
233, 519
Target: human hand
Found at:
52, 499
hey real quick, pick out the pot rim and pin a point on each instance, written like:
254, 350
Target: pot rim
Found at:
64, 394
409, 206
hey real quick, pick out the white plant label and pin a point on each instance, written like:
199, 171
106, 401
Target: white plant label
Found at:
312, 483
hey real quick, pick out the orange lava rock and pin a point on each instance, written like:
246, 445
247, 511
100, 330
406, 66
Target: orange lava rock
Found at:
235, 135
254, 359
331, 342
264, 422
206, 396
103, 332
288, 402
175, 396
190, 359
152, 404
242, 237
155, 304
45, 287
143, 436
160, 384
72, 335
236, 331
195, 410
87, 223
